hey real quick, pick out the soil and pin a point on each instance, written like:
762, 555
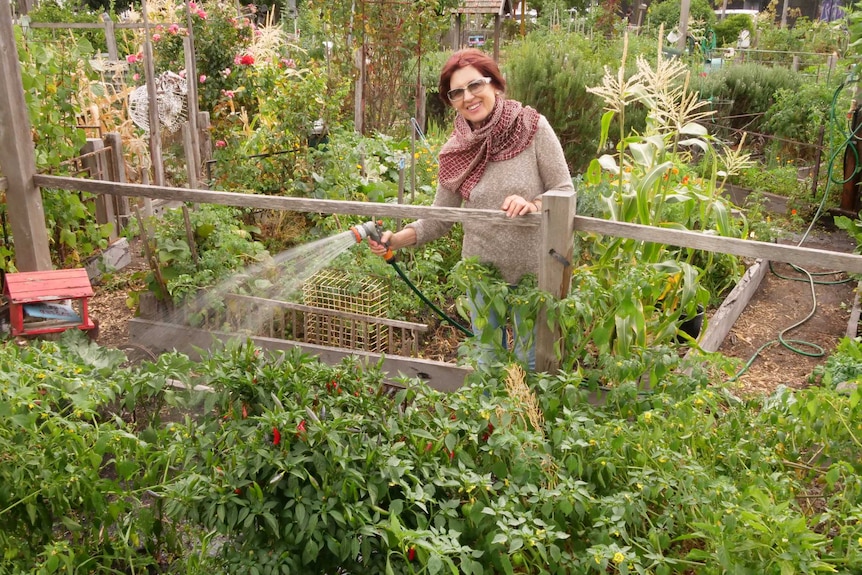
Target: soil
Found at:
777, 305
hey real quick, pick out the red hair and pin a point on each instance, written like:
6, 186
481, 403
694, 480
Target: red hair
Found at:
469, 57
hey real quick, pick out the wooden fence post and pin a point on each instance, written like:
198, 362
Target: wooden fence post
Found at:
555, 268
192, 108
94, 162
110, 38
205, 143
154, 122
18, 159
117, 173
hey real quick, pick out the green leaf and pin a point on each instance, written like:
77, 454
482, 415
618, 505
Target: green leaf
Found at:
435, 564
607, 118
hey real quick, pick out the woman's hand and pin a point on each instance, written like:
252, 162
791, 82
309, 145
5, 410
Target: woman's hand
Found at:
383, 246
517, 206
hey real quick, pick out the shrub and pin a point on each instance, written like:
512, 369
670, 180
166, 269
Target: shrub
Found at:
551, 73
795, 119
221, 40
667, 13
727, 30
750, 87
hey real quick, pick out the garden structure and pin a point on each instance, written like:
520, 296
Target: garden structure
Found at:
471, 8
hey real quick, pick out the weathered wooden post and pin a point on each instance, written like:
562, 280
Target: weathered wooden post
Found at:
94, 162
193, 145
555, 268
117, 173
154, 123
18, 158
110, 38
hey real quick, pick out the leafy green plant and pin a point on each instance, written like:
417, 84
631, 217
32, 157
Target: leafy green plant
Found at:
551, 72
53, 76
290, 463
649, 179
668, 13
74, 478
843, 365
223, 246
796, 118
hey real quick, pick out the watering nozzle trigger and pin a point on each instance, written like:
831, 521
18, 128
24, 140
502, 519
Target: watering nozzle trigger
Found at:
373, 230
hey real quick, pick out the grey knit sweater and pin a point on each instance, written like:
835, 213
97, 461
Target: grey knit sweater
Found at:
514, 250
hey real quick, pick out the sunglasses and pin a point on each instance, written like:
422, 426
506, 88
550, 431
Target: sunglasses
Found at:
475, 87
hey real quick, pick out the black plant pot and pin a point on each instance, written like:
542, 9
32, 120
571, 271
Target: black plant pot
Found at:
691, 326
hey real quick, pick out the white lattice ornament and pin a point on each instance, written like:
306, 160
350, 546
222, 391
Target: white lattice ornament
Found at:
171, 91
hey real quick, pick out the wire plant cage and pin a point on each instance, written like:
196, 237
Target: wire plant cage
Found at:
333, 289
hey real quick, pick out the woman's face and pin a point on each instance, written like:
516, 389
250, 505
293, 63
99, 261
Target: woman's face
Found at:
475, 105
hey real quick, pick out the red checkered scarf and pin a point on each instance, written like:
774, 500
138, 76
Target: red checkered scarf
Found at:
507, 133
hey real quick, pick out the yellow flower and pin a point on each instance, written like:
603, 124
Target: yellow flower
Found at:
619, 557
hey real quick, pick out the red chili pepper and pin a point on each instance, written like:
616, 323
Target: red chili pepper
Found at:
301, 427
451, 455
244, 411
488, 432
411, 554
429, 446
276, 436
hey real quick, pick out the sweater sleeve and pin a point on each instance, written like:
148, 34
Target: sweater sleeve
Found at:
553, 168
429, 230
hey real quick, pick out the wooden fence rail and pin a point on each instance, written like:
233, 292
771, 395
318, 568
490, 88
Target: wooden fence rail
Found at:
800, 256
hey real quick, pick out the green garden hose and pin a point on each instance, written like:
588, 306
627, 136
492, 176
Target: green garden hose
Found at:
391, 261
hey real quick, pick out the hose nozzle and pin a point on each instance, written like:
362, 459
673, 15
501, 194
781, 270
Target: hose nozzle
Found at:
373, 230
369, 229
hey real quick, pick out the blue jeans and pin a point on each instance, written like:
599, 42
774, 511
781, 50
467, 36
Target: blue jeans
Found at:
489, 352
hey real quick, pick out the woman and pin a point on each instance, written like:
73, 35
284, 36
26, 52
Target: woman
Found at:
501, 156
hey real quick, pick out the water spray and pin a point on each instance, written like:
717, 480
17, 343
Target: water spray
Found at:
374, 230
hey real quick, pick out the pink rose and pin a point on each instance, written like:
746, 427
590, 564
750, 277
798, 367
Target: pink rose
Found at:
221, 144
203, 78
